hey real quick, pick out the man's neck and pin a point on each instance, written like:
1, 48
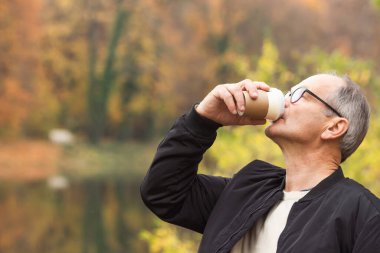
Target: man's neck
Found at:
305, 170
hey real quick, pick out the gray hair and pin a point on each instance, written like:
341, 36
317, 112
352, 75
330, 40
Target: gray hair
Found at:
350, 101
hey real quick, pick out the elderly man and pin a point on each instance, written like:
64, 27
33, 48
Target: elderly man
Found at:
307, 207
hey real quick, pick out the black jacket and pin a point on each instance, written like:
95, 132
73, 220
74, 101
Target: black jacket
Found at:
337, 215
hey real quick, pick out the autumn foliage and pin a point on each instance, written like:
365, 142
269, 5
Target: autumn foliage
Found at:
125, 69
117, 73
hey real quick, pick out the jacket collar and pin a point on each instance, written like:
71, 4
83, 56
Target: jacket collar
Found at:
324, 185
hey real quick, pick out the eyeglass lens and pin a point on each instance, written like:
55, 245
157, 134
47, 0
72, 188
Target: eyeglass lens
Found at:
297, 94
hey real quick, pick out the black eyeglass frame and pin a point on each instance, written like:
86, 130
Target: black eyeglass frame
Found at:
314, 95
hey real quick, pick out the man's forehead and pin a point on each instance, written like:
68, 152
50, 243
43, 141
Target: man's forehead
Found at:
293, 88
319, 82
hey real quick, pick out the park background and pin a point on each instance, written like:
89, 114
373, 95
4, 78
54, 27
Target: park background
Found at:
89, 87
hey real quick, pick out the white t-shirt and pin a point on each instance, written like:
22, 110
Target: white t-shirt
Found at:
263, 236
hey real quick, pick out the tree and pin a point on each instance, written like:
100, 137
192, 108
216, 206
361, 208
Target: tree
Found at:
100, 87
25, 98
64, 60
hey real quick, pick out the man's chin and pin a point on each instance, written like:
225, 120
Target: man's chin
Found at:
272, 129
273, 133
269, 130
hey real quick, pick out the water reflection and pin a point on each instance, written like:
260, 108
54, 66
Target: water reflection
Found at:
92, 215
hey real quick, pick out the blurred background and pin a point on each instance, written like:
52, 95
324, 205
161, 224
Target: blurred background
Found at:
89, 87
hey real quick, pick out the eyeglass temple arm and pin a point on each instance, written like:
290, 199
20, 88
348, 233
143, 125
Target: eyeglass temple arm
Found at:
326, 104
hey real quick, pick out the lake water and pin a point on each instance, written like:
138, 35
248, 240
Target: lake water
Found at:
92, 215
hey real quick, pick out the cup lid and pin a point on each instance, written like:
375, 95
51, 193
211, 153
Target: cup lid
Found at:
276, 101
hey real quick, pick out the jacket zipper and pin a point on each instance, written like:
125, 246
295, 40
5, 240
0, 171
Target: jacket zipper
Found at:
249, 216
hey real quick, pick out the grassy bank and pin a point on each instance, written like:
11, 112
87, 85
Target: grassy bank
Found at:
127, 160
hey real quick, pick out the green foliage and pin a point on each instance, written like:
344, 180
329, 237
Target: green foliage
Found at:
376, 3
361, 71
268, 68
363, 165
168, 239
237, 146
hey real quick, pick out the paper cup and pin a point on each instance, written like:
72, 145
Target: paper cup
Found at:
268, 105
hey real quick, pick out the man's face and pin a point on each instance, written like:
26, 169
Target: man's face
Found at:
305, 120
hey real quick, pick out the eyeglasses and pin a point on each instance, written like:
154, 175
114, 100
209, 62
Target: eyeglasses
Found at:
298, 93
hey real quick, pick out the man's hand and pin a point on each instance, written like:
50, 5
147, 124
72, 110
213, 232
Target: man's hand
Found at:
225, 103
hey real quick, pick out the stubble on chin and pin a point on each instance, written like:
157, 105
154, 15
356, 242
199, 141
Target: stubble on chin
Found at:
273, 133
269, 130
273, 130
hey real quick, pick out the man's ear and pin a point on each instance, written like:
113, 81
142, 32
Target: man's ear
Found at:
336, 128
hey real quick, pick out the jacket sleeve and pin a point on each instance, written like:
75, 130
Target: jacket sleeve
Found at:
368, 240
172, 188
